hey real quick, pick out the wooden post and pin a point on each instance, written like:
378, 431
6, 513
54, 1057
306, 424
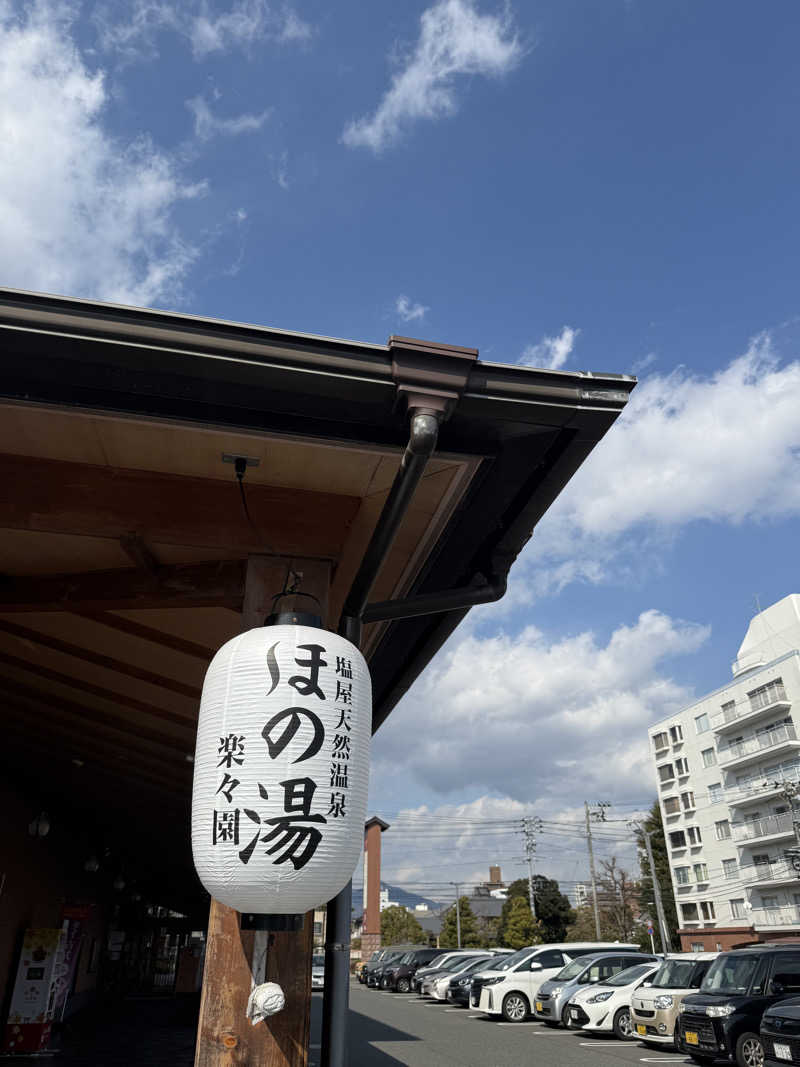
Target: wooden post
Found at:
235, 957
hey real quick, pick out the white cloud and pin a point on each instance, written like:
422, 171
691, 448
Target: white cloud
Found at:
208, 125
82, 213
551, 352
455, 39
132, 29
508, 708
409, 311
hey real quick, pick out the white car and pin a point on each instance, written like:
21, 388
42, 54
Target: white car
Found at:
606, 1007
318, 971
452, 968
510, 986
439, 986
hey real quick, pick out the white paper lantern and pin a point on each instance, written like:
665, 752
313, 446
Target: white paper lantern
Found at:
281, 769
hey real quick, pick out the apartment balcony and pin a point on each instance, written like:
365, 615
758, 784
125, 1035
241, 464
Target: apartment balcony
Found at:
771, 828
778, 872
752, 750
747, 711
773, 917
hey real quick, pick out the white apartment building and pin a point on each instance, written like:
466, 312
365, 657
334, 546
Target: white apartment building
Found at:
723, 766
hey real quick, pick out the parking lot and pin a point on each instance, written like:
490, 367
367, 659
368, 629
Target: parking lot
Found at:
387, 1029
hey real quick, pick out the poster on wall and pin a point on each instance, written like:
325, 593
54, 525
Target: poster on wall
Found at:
30, 1017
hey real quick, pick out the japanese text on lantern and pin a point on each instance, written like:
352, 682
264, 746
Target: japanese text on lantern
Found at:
295, 835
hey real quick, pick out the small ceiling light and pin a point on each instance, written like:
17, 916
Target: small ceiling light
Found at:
189, 757
119, 882
78, 762
40, 826
92, 864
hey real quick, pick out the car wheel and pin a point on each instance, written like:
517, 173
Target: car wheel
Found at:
749, 1051
384, 983
565, 1017
623, 1027
403, 985
515, 1007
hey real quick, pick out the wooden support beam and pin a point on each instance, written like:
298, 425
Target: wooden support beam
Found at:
187, 722
191, 585
225, 1036
139, 554
77, 498
36, 637
150, 633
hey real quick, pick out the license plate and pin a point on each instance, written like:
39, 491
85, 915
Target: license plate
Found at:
538, 1005
691, 1038
641, 1030
783, 1052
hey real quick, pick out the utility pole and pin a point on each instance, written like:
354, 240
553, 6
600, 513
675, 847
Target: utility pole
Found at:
598, 816
663, 929
530, 826
458, 912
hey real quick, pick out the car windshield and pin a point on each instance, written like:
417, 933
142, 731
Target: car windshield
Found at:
673, 974
407, 958
477, 964
629, 975
463, 963
730, 974
508, 963
572, 970
449, 965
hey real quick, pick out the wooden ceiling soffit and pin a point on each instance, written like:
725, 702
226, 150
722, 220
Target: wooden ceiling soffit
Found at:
110, 695
149, 633
194, 585
134, 731
25, 633
76, 498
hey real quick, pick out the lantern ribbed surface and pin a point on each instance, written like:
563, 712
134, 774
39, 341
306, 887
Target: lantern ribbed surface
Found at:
281, 769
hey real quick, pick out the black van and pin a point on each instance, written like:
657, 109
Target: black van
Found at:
723, 1019
398, 974
780, 1033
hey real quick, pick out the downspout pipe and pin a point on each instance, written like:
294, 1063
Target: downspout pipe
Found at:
481, 591
423, 434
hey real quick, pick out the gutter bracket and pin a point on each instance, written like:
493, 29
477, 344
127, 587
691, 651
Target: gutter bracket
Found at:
430, 377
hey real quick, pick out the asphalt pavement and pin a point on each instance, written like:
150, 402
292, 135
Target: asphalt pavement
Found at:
387, 1029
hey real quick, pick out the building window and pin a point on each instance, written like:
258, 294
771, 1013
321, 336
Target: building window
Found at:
707, 909
709, 757
682, 766
769, 903
697, 946
689, 912
700, 872
687, 799
677, 839
701, 723
722, 830
715, 792
676, 734
730, 868
767, 694
719, 946
666, 773
682, 875
693, 834
660, 741
672, 806
738, 908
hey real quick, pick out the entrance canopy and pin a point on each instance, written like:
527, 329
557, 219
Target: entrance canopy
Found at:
125, 534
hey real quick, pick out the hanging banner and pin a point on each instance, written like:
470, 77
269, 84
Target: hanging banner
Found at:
281, 769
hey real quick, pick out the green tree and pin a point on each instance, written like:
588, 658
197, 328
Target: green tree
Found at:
521, 928
582, 926
655, 825
470, 937
399, 926
553, 910
488, 926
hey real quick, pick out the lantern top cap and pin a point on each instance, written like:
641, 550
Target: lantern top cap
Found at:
375, 821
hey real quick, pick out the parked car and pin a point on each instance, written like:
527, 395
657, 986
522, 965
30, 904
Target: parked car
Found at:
459, 986
437, 965
550, 1002
723, 1019
373, 971
376, 956
780, 1033
318, 971
606, 1008
439, 986
453, 966
655, 1010
508, 987
398, 973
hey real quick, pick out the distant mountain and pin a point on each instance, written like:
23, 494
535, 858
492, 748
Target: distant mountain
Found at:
397, 896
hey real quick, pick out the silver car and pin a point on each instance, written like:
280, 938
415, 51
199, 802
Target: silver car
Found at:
552, 998
318, 971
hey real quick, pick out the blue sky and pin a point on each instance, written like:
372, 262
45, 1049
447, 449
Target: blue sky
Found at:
607, 187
